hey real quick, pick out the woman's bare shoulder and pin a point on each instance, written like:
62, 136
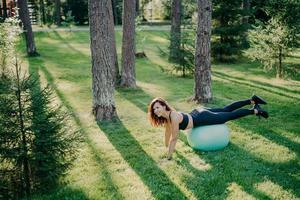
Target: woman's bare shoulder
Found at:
175, 116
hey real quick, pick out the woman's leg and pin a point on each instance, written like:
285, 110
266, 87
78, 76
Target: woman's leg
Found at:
231, 107
209, 118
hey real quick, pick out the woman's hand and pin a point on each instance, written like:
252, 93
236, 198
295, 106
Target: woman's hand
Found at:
169, 157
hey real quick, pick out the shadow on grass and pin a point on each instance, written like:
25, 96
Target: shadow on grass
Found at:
64, 41
256, 84
157, 181
63, 193
292, 70
136, 96
36, 64
284, 174
219, 178
235, 165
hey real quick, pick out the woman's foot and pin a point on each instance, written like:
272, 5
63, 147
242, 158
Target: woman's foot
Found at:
260, 112
258, 100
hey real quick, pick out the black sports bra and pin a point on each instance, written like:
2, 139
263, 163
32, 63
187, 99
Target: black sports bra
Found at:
184, 123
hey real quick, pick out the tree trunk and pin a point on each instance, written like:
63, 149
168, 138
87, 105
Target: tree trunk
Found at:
246, 8
279, 67
116, 72
25, 164
115, 12
245, 21
24, 16
42, 12
142, 10
117, 76
203, 93
4, 9
102, 51
137, 7
128, 45
175, 34
57, 12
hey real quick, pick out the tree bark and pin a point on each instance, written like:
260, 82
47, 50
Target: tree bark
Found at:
128, 45
4, 9
203, 93
116, 72
42, 12
175, 34
24, 16
57, 12
137, 7
245, 21
279, 67
246, 8
102, 53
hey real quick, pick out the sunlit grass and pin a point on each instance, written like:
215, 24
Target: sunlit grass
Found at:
125, 159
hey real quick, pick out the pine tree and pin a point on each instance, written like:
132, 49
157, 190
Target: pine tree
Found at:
270, 44
229, 30
36, 144
175, 33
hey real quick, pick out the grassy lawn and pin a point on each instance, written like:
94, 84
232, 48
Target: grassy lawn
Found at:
124, 159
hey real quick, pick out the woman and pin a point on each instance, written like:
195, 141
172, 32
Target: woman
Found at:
162, 114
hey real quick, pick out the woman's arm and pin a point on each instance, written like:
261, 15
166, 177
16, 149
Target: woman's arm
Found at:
167, 134
174, 134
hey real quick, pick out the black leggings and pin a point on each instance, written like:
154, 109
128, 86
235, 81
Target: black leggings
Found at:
221, 115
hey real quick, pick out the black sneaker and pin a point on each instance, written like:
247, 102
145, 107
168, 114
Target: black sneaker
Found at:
258, 100
260, 112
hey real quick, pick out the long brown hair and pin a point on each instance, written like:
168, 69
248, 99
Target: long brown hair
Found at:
153, 118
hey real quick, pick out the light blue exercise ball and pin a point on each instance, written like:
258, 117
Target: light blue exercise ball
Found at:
208, 138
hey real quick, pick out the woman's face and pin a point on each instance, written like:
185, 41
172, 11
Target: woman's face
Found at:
158, 109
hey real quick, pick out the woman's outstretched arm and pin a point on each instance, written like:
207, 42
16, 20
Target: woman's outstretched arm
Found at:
174, 134
167, 134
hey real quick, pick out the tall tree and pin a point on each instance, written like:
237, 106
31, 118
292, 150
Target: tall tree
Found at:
175, 31
42, 12
229, 29
117, 77
24, 16
137, 7
115, 12
128, 44
143, 4
116, 72
102, 51
79, 9
246, 5
246, 9
203, 91
57, 12
271, 54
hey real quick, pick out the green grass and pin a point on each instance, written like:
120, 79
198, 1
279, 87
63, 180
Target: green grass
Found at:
124, 159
